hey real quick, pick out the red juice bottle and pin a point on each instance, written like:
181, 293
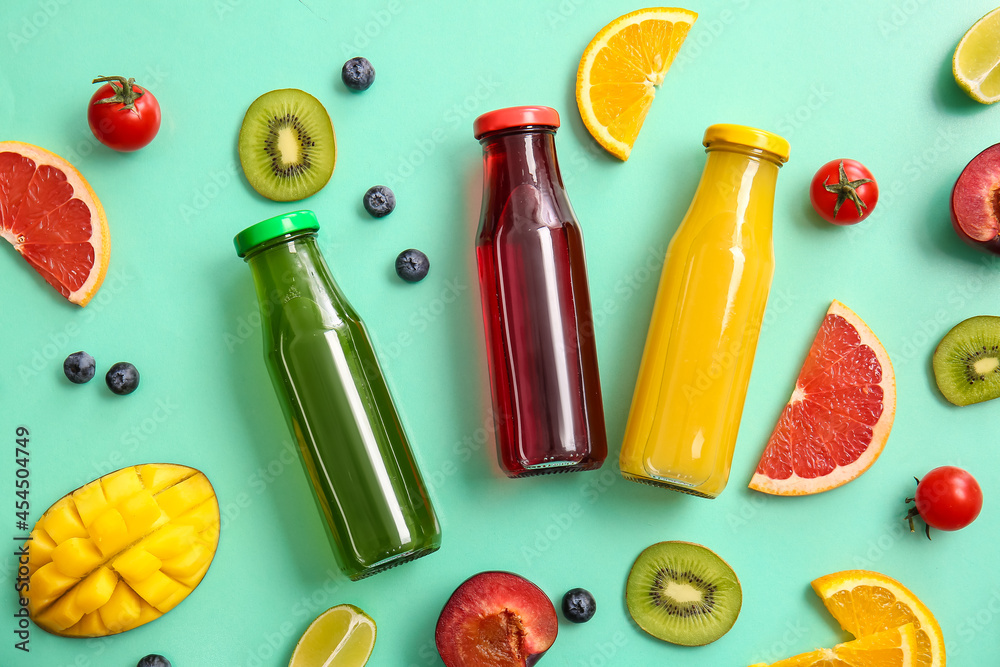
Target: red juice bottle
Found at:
540, 345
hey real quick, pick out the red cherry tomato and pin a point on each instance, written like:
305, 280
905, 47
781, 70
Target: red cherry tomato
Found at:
843, 192
122, 115
947, 498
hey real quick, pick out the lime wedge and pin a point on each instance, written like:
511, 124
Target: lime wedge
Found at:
342, 636
976, 64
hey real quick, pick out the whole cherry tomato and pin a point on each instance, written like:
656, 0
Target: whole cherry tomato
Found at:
947, 498
843, 192
122, 115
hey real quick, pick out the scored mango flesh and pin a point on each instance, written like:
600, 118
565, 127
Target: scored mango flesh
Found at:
122, 550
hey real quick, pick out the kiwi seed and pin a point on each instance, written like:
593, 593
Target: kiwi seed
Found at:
683, 593
967, 361
287, 146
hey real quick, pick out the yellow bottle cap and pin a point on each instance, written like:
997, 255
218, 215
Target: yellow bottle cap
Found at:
747, 136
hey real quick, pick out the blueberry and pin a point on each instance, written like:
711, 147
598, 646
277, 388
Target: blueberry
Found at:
412, 265
79, 367
123, 378
379, 201
153, 660
358, 74
578, 605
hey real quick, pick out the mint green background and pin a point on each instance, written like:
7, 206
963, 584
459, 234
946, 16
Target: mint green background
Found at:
871, 81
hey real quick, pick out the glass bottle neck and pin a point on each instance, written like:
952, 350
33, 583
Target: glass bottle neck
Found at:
292, 267
516, 157
738, 180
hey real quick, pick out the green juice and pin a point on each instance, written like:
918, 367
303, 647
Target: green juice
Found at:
338, 406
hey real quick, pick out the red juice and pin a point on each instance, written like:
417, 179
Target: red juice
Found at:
536, 302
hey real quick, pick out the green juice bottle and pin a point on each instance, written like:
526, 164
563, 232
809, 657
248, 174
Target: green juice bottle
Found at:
336, 401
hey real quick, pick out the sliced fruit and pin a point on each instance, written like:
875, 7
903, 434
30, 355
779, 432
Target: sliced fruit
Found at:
865, 603
50, 214
620, 69
967, 361
496, 619
287, 146
976, 63
683, 593
892, 648
975, 210
342, 636
839, 416
111, 556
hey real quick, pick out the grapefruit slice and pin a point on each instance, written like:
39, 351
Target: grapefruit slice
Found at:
49, 213
865, 602
839, 416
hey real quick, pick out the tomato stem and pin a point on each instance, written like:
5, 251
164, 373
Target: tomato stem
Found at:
845, 189
126, 92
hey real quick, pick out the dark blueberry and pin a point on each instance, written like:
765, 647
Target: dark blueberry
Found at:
358, 74
79, 367
579, 605
379, 201
123, 378
153, 660
412, 265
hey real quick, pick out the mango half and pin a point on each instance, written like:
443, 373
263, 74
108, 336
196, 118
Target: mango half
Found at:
122, 550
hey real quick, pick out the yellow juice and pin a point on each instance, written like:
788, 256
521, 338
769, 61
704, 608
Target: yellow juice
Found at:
709, 306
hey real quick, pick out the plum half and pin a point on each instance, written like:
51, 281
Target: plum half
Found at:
496, 619
975, 201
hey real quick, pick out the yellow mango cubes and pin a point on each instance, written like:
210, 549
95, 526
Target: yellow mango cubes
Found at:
122, 550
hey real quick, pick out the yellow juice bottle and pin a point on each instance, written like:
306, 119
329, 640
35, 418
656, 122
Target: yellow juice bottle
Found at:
709, 306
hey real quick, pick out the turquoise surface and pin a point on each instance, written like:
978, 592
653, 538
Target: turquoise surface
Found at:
870, 81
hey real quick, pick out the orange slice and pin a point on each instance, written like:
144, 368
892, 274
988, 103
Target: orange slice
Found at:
866, 602
892, 648
839, 416
49, 213
620, 69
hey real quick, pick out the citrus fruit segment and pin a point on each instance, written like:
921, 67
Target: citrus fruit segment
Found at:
865, 603
620, 69
976, 63
49, 213
342, 636
839, 416
891, 648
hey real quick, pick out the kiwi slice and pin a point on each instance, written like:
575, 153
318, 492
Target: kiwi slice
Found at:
683, 593
287, 146
967, 361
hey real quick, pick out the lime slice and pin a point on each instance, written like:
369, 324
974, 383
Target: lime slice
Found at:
342, 636
976, 64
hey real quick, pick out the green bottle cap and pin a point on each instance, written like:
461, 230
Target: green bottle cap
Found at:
272, 228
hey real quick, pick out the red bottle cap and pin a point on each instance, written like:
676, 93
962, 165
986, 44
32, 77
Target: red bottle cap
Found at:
501, 119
